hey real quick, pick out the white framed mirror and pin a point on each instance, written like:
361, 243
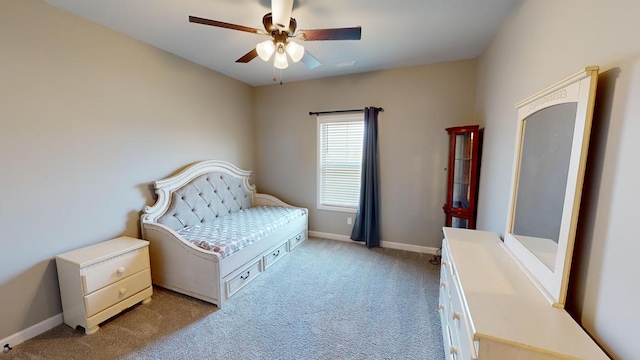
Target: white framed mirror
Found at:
551, 146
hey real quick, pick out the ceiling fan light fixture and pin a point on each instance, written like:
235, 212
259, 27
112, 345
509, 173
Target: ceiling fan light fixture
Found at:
281, 13
295, 51
280, 61
265, 49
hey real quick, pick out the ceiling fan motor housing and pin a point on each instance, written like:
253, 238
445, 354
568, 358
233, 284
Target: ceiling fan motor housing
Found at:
271, 28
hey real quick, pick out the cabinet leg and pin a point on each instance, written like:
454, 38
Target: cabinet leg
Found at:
146, 301
92, 330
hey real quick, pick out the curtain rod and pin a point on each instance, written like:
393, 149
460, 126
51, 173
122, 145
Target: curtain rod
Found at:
339, 111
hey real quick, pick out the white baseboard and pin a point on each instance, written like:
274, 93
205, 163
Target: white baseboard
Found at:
332, 236
384, 244
31, 331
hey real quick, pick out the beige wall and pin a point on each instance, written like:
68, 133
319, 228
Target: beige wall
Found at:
541, 43
419, 103
88, 119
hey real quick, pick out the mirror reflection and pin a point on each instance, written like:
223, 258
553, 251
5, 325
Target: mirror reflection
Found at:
542, 179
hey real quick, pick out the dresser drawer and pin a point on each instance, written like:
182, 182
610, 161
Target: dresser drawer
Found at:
114, 293
296, 240
460, 326
446, 260
446, 334
102, 274
275, 255
243, 278
445, 292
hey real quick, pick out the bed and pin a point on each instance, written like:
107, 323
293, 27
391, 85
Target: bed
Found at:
211, 233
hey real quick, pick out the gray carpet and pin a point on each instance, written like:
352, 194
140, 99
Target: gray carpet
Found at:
325, 300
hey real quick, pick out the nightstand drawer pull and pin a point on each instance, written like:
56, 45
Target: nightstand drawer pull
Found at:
276, 254
121, 270
245, 277
123, 291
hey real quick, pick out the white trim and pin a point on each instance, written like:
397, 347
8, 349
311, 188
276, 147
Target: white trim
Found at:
330, 236
384, 244
32, 331
346, 209
409, 247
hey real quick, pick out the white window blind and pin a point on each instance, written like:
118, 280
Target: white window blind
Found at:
340, 161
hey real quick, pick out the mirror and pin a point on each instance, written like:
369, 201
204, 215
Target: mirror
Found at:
549, 162
544, 166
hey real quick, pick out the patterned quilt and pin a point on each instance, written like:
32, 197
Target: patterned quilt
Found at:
230, 233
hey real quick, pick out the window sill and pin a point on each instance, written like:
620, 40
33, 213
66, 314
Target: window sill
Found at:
337, 209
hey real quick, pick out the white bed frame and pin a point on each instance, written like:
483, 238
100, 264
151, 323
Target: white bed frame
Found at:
178, 265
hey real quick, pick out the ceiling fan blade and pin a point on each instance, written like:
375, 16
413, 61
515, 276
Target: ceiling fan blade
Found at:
352, 33
225, 25
248, 56
311, 61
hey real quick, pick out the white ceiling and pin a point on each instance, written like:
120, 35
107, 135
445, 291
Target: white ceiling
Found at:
394, 33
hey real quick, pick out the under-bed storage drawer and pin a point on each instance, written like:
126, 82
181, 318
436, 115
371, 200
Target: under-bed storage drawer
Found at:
242, 278
275, 255
297, 239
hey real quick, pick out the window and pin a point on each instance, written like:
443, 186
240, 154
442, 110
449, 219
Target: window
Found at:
339, 161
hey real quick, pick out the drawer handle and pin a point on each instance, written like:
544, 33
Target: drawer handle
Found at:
123, 290
298, 237
443, 284
121, 270
444, 262
456, 316
275, 254
245, 277
441, 307
453, 350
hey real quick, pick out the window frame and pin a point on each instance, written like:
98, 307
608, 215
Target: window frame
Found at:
350, 117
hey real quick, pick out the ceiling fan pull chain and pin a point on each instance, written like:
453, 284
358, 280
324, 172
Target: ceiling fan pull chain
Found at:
274, 74
280, 77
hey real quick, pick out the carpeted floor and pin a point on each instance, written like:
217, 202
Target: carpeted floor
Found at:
326, 300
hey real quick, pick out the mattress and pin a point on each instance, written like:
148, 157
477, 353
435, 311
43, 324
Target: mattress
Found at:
230, 233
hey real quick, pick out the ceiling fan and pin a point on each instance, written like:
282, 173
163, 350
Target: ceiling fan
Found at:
282, 27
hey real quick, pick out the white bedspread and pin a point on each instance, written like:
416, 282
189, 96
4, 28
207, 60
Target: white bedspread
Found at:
230, 233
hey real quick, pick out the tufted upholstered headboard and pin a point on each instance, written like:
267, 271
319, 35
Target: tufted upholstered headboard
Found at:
200, 193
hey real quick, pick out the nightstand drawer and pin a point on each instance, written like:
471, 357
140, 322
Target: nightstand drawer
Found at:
117, 292
99, 275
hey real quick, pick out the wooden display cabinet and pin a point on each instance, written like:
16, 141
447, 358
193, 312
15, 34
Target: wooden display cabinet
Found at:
462, 181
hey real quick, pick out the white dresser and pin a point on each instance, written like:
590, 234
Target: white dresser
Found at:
491, 310
99, 281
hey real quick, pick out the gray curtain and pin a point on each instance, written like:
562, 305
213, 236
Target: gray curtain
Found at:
367, 224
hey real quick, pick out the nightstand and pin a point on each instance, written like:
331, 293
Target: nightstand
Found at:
101, 280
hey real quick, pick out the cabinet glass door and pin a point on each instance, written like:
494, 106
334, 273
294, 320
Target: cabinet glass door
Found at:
462, 171
460, 208
457, 222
